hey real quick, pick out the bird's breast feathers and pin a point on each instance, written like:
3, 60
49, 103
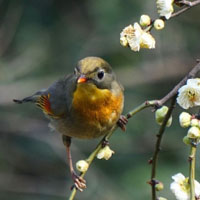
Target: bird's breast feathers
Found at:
95, 105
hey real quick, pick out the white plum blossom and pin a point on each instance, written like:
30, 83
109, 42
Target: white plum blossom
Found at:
136, 38
189, 94
181, 188
165, 8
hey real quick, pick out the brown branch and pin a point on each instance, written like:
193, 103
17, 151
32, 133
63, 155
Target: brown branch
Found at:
174, 91
187, 6
157, 147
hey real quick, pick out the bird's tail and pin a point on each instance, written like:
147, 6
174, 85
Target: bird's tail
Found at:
32, 98
27, 99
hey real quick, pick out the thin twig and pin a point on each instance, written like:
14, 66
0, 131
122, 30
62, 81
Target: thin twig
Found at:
192, 159
174, 91
157, 147
92, 157
144, 105
187, 6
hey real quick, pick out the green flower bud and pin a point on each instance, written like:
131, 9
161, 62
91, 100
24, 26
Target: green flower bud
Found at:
186, 140
160, 115
184, 119
82, 166
159, 186
169, 122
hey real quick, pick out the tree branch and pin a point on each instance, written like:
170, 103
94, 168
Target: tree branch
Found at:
192, 159
92, 157
188, 5
157, 147
174, 91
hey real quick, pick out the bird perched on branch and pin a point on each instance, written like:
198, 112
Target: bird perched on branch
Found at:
85, 104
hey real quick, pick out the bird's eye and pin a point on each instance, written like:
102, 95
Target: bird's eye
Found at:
100, 74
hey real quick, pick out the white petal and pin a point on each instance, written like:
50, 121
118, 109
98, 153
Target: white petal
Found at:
193, 81
197, 188
178, 177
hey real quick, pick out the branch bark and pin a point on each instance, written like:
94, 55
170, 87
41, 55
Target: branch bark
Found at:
188, 5
157, 148
192, 159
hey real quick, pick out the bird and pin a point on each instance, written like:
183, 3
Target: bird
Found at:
86, 104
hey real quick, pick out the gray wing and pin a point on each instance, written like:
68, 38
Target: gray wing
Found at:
60, 95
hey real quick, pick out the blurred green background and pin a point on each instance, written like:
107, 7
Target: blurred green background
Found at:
41, 41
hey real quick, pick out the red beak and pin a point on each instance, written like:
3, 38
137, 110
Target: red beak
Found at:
82, 79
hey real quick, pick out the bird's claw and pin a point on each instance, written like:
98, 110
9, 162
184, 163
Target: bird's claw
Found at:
79, 182
122, 122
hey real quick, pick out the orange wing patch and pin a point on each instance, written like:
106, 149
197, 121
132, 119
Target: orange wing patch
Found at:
44, 103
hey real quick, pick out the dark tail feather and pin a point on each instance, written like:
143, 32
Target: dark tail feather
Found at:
27, 99
32, 98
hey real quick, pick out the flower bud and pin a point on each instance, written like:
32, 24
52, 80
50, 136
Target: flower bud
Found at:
160, 115
145, 20
82, 166
105, 153
194, 122
186, 140
159, 186
159, 24
193, 132
169, 122
184, 119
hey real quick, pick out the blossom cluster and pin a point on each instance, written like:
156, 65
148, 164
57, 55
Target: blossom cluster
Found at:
138, 35
188, 96
193, 134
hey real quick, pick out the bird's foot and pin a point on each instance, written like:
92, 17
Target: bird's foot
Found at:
79, 182
122, 122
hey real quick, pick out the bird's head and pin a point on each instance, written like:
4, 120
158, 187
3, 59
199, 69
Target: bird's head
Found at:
96, 71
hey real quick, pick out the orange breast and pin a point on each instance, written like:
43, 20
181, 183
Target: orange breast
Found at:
97, 106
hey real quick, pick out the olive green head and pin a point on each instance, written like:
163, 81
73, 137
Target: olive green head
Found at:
95, 70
